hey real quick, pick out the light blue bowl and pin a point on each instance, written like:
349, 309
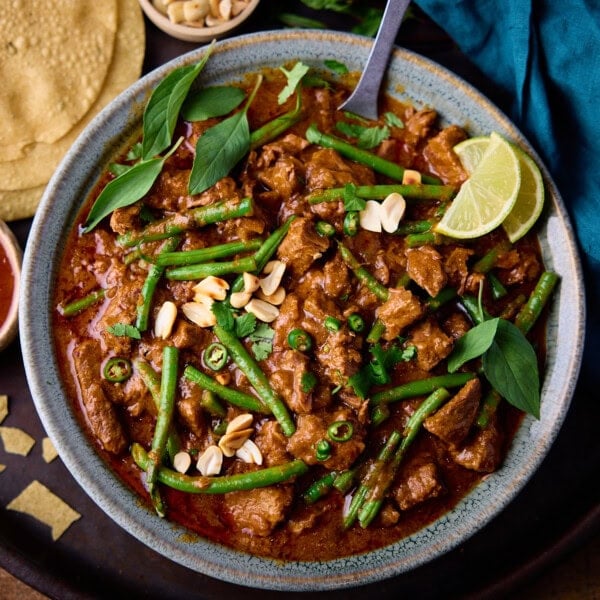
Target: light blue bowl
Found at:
410, 78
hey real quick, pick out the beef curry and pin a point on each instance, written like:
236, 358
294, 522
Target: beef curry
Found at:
267, 366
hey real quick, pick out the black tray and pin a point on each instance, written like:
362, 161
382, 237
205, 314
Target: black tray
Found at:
556, 511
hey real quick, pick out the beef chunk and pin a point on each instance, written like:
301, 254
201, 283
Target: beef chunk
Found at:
419, 481
336, 278
452, 422
285, 177
189, 407
272, 444
424, 266
327, 169
456, 325
441, 157
100, 412
291, 366
400, 310
455, 266
483, 451
258, 511
311, 428
125, 219
301, 246
432, 344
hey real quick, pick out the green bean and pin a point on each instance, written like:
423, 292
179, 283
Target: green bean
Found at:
152, 382
412, 227
320, 488
344, 481
202, 255
370, 477
256, 377
265, 252
197, 217
489, 404
511, 308
436, 302
374, 498
231, 395
472, 307
378, 164
421, 387
269, 131
489, 260
78, 306
155, 272
168, 387
498, 290
379, 414
532, 309
413, 240
217, 269
377, 330
362, 274
417, 191
210, 403
224, 484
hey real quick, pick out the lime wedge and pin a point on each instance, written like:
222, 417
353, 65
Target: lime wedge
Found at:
530, 200
488, 196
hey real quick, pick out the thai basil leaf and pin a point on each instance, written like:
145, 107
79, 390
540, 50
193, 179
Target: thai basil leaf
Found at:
126, 189
474, 343
211, 102
511, 367
218, 150
162, 110
294, 76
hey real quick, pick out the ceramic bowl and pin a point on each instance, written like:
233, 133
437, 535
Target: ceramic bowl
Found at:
191, 33
411, 78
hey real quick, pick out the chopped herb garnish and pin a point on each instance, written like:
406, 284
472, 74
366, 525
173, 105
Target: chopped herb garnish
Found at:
352, 202
124, 330
336, 66
245, 324
393, 120
366, 137
224, 315
294, 77
262, 341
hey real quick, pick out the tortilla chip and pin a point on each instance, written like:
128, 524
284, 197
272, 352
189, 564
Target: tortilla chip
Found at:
21, 186
3, 407
45, 506
49, 452
54, 57
16, 441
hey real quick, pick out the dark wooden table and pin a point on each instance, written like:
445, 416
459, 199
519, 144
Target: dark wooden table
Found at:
555, 514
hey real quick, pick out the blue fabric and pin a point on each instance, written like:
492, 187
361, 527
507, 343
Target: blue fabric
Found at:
545, 56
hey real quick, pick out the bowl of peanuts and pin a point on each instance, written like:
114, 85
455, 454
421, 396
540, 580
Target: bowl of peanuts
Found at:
198, 20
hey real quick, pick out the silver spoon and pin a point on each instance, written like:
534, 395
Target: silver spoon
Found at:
363, 100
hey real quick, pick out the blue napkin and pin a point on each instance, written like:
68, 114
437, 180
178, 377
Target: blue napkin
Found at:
545, 55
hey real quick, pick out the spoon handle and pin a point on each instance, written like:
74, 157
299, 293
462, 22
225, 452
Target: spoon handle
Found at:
363, 100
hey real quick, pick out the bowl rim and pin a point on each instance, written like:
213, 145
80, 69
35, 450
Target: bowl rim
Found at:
119, 502
191, 33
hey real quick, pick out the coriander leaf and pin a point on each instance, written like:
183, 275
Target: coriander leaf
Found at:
315, 81
224, 315
336, 66
124, 330
366, 137
262, 341
294, 76
245, 325
473, 344
209, 102
351, 200
162, 110
393, 120
220, 148
511, 367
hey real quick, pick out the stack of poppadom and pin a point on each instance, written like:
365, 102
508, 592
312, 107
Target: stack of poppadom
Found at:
60, 64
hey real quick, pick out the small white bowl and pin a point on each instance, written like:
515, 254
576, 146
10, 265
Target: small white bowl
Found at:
190, 33
8, 329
